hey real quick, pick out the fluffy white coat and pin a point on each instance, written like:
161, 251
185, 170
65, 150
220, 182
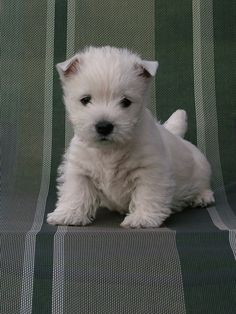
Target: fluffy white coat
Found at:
142, 169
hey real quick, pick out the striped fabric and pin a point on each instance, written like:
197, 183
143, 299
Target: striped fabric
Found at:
186, 266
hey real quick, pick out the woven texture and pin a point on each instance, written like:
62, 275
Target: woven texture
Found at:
186, 266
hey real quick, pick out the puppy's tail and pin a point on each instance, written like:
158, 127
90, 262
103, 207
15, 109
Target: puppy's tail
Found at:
177, 123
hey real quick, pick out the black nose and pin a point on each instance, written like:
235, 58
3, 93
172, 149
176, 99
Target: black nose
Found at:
104, 127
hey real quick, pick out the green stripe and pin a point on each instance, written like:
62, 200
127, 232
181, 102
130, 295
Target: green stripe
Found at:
122, 271
174, 90
174, 83
22, 104
209, 272
225, 80
43, 270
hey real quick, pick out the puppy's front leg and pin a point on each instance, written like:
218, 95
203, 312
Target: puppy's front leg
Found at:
150, 202
77, 203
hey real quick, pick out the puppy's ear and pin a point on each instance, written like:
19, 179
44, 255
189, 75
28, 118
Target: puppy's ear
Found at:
149, 68
68, 68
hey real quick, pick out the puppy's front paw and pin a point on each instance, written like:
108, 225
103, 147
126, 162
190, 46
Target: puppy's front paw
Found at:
67, 217
143, 220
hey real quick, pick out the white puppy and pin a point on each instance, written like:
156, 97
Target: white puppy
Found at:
120, 157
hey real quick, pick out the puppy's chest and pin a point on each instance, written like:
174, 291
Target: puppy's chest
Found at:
114, 178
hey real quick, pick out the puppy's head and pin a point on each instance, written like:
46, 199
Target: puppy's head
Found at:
105, 92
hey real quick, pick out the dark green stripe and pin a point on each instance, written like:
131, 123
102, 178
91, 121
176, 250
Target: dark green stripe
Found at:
43, 270
174, 51
175, 86
225, 80
208, 271
191, 220
207, 262
231, 195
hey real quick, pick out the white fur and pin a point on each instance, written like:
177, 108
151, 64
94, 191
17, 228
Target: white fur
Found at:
142, 169
177, 123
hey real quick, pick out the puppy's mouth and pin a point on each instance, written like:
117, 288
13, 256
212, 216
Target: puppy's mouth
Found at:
104, 139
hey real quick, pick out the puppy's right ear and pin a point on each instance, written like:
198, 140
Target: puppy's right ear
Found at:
68, 68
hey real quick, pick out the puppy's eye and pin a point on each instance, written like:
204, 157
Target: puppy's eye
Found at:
85, 100
125, 102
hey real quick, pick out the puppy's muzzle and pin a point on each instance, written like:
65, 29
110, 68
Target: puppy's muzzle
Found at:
104, 128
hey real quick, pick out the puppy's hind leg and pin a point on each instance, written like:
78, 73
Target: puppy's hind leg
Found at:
177, 123
204, 199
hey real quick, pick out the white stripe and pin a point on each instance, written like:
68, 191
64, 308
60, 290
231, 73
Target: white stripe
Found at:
216, 218
30, 241
153, 38
181, 308
232, 241
197, 66
58, 253
58, 271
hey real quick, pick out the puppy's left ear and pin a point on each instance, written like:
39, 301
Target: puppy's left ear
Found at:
149, 68
68, 68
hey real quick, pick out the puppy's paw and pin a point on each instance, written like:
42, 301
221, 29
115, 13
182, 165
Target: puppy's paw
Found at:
67, 217
143, 220
204, 199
